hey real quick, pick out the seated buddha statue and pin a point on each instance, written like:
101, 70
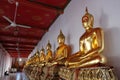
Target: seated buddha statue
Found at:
33, 59
42, 57
91, 46
37, 57
49, 53
62, 52
29, 61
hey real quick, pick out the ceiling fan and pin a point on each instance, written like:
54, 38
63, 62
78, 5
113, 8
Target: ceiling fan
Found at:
13, 23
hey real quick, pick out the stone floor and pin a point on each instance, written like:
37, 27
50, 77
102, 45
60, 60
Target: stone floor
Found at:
15, 76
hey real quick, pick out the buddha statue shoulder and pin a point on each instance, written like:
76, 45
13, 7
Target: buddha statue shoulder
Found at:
91, 46
49, 52
62, 52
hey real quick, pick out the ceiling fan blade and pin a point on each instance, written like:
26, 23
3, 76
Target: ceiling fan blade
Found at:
8, 26
7, 19
24, 26
15, 11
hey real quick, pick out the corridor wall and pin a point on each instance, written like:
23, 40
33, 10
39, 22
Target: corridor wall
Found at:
5, 61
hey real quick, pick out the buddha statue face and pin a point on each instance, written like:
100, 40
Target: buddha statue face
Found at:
37, 53
87, 20
61, 38
48, 47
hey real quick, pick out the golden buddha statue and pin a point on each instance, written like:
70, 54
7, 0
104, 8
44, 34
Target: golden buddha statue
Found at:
42, 55
62, 51
37, 57
91, 46
29, 61
33, 59
49, 52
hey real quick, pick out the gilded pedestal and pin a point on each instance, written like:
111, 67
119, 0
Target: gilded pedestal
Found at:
91, 73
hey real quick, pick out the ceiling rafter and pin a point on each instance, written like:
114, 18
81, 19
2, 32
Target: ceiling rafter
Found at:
22, 55
21, 49
20, 45
19, 36
12, 51
14, 47
13, 42
7, 47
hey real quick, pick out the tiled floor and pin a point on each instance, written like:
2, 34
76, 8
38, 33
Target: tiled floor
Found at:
15, 76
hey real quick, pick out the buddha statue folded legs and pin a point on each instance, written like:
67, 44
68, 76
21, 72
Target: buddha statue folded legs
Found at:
86, 62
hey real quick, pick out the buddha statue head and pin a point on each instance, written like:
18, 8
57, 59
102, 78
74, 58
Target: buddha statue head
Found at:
48, 47
37, 53
42, 50
61, 38
87, 20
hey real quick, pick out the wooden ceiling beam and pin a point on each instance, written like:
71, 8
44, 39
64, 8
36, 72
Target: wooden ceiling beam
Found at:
20, 54
14, 47
21, 49
14, 42
13, 51
16, 55
19, 36
20, 45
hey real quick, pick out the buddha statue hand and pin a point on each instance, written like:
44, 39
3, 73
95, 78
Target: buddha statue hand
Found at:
54, 63
41, 64
66, 64
48, 64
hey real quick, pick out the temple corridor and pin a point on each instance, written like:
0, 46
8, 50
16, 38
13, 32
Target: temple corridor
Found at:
14, 76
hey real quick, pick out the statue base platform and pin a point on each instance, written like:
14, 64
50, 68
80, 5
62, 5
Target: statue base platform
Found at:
91, 73
53, 72
58, 72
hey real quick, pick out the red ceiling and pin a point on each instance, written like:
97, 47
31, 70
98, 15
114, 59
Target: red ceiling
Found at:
39, 14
